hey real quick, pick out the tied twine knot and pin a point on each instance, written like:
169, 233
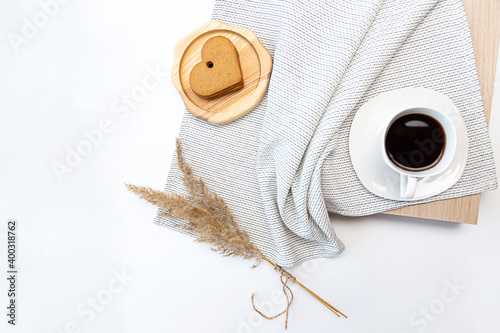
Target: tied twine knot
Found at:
284, 277
284, 273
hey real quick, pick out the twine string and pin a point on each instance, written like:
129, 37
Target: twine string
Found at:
284, 277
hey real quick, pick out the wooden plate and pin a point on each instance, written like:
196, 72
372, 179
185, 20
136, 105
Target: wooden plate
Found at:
256, 65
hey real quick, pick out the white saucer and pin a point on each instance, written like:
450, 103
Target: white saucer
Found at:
368, 129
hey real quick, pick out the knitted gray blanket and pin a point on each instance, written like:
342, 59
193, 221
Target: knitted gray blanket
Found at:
284, 166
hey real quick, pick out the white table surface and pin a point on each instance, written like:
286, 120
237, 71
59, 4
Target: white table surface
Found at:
78, 233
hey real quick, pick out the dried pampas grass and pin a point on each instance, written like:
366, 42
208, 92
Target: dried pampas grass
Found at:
206, 215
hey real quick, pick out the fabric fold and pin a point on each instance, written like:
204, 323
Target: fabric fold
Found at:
299, 131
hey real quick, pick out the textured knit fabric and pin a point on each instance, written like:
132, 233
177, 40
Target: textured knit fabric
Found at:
284, 166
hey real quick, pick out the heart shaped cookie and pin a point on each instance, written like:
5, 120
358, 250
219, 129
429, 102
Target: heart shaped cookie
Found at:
219, 71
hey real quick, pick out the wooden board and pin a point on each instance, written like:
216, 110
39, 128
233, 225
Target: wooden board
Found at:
256, 65
484, 21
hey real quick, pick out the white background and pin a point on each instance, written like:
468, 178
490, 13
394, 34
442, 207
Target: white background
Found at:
76, 235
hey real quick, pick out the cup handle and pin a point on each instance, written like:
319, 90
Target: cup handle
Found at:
408, 185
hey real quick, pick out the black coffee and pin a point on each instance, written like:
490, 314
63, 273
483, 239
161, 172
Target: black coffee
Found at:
415, 142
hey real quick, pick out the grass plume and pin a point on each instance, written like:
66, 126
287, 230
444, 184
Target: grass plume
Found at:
203, 213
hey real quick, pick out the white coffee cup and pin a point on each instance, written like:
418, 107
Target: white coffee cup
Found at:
409, 179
